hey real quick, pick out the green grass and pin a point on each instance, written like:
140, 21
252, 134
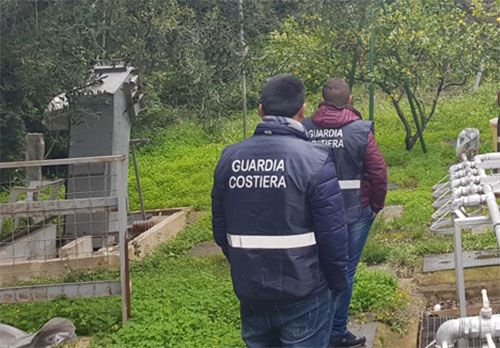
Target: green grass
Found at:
180, 300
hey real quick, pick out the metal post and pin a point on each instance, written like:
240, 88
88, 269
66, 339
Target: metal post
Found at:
384, 7
355, 59
138, 179
35, 149
459, 267
244, 51
121, 177
372, 67
479, 74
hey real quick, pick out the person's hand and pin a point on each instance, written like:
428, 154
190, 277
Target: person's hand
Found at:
374, 214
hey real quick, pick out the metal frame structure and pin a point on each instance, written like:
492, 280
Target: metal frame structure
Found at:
468, 187
116, 203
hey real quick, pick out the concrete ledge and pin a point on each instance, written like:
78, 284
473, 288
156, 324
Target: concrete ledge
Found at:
147, 242
172, 221
25, 271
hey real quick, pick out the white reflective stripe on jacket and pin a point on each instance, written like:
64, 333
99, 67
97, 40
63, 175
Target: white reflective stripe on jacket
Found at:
271, 242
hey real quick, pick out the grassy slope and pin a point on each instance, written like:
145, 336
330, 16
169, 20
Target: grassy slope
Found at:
184, 301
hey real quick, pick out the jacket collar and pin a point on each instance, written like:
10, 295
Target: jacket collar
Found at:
279, 125
330, 116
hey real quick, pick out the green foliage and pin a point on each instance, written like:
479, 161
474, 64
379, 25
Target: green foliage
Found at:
180, 300
429, 46
177, 168
187, 52
377, 291
375, 252
372, 290
286, 53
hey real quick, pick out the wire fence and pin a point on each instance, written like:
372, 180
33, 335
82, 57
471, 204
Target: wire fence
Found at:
63, 238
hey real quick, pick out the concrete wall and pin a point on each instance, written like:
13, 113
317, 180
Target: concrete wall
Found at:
38, 245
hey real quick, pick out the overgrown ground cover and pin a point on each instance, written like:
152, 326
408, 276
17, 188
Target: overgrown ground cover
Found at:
180, 300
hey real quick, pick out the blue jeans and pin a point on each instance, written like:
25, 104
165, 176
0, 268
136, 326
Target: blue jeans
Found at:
302, 324
358, 233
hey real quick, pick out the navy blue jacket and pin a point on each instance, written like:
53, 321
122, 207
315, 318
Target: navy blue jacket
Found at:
272, 191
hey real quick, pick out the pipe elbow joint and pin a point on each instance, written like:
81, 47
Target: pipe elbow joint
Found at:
448, 333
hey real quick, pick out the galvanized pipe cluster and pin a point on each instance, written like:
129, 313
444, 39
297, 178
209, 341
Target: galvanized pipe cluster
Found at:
467, 185
485, 326
459, 201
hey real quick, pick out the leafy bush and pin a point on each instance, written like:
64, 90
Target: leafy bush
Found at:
376, 291
374, 252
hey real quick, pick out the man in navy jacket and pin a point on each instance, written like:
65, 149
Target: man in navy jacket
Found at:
278, 216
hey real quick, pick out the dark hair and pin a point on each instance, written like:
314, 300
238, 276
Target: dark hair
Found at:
283, 95
337, 92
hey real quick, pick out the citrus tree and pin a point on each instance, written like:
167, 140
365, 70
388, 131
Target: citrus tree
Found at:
422, 48
426, 47
317, 44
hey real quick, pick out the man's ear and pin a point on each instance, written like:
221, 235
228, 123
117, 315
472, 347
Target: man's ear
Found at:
261, 110
299, 116
350, 99
302, 110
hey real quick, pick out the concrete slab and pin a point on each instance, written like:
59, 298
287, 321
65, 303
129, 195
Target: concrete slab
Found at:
391, 212
366, 329
37, 245
80, 247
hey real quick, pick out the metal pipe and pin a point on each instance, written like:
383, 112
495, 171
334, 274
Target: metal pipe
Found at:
138, 181
459, 267
463, 165
467, 190
465, 181
372, 67
487, 157
490, 342
491, 202
355, 59
464, 172
244, 52
471, 327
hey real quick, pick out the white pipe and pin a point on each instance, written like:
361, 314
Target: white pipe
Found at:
448, 333
494, 213
465, 181
464, 172
467, 190
471, 327
486, 302
470, 201
462, 165
490, 342
487, 157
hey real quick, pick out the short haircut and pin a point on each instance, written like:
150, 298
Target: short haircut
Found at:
283, 95
337, 92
